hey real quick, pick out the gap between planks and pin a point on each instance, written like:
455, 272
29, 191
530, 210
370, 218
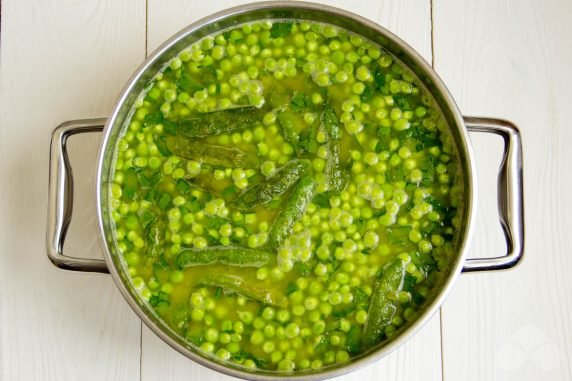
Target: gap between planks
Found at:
147, 27
433, 66
141, 322
432, 35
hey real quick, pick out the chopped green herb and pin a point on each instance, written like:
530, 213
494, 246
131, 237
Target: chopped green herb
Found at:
281, 29
300, 102
291, 288
153, 118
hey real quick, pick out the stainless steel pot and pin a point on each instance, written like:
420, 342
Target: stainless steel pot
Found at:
509, 193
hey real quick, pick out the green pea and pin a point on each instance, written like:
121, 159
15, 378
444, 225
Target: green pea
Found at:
211, 335
292, 330
257, 338
268, 313
223, 354
246, 316
208, 347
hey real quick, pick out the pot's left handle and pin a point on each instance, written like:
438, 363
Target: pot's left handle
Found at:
60, 197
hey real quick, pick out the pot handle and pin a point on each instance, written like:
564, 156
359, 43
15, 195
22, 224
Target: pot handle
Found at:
509, 193
60, 197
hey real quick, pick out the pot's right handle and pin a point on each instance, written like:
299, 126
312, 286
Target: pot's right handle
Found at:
509, 193
60, 197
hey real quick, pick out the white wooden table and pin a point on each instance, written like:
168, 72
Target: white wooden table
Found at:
63, 60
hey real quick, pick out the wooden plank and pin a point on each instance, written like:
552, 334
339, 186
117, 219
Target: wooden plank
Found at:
420, 358
60, 60
512, 59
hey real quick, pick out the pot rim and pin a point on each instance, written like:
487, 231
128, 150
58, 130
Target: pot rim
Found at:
468, 168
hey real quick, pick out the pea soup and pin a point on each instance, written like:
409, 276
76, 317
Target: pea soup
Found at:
286, 196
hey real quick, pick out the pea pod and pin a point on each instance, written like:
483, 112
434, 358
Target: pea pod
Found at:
383, 306
279, 183
336, 174
331, 124
226, 255
286, 120
219, 122
251, 289
210, 154
155, 237
293, 210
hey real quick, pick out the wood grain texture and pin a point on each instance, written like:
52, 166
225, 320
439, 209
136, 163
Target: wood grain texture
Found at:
63, 60
420, 358
60, 60
512, 59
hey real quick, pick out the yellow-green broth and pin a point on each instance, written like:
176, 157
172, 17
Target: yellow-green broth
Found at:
356, 261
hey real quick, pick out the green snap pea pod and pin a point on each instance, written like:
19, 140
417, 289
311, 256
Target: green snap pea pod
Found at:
331, 124
227, 255
155, 238
279, 183
286, 120
219, 122
382, 306
251, 289
293, 210
336, 174
210, 154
